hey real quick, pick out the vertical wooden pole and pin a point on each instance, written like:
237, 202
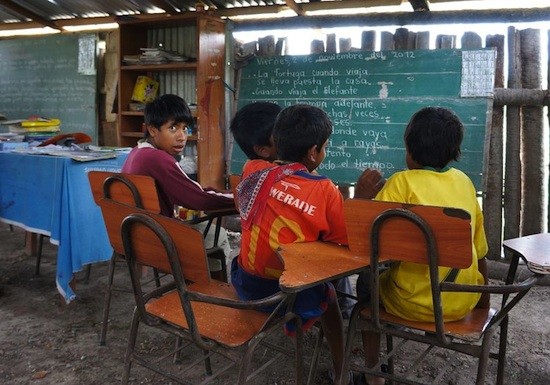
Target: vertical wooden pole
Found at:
512, 182
548, 107
492, 201
422, 40
386, 40
368, 40
534, 140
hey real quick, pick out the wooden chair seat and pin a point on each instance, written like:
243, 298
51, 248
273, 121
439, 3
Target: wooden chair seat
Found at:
228, 326
434, 237
204, 312
469, 328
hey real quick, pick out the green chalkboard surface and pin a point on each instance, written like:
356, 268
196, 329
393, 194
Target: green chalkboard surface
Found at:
44, 76
370, 97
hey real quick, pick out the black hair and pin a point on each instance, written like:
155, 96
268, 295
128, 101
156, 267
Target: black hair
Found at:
433, 137
252, 126
167, 108
298, 128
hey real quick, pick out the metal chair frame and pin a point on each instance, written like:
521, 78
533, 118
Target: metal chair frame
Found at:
153, 230
372, 317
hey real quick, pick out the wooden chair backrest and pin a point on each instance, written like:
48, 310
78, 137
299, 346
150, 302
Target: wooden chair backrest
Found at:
149, 250
401, 240
234, 180
132, 190
123, 188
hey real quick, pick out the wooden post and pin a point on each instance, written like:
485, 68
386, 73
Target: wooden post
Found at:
534, 140
445, 41
422, 40
368, 40
470, 40
386, 40
331, 43
317, 46
345, 44
548, 110
266, 46
512, 182
401, 38
492, 201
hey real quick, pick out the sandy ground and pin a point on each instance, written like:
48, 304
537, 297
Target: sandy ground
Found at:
43, 341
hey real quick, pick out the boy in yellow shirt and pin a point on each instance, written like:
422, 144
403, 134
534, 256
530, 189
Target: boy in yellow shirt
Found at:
432, 139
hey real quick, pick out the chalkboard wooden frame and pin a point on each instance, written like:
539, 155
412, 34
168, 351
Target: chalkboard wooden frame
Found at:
370, 97
40, 76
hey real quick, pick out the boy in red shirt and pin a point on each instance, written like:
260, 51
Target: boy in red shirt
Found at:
283, 203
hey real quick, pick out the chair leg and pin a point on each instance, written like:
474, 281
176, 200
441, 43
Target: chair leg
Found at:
299, 353
39, 254
157, 277
389, 349
502, 350
484, 358
107, 302
88, 273
315, 358
130, 348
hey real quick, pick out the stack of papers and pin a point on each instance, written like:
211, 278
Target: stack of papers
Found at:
154, 56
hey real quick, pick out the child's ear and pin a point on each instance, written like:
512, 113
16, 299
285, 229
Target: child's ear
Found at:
262, 151
151, 129
312, 153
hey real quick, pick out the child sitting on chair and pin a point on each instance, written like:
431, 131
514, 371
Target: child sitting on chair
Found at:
311, 211
252, 128
166, 121
432, 140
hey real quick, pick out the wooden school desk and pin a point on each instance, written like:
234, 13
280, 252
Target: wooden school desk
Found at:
51, 195
309, 263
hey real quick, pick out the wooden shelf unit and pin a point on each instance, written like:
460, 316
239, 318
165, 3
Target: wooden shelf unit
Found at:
199, 81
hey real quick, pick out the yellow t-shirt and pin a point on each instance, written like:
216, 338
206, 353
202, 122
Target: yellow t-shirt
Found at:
405, 287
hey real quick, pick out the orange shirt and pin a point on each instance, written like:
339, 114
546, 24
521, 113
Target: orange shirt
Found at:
300, 208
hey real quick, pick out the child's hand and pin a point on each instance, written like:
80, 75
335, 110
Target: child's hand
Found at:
368, 184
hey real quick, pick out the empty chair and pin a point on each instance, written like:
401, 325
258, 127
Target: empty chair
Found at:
203, 311
134, 190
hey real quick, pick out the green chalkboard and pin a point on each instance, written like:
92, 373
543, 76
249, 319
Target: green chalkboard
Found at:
49, 76
370, 97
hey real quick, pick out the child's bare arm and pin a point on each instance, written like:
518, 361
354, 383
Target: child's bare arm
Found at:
368, 184
484, 302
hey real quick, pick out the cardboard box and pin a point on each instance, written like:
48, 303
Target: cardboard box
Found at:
145, 89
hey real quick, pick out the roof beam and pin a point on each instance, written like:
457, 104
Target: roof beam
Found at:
398, 18
295, 7
28, 14
419, 5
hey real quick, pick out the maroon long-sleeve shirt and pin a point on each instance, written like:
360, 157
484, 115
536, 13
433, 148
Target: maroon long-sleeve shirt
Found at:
174, 186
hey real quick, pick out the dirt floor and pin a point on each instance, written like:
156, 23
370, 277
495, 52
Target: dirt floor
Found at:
43, 341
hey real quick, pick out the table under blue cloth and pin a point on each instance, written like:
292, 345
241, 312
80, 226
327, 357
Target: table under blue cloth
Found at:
51, 195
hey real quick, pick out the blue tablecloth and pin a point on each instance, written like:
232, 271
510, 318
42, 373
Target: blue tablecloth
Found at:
51, 195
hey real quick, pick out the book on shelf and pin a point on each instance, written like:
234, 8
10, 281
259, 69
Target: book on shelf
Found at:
145, 89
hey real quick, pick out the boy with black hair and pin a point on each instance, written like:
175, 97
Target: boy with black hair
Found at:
432, 140
252, 128
165, 122
283, 203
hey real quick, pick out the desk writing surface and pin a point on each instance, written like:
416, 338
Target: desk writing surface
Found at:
307, 264
51, 195
370, 97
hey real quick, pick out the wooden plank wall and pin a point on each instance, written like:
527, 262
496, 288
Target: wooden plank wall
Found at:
515, 202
